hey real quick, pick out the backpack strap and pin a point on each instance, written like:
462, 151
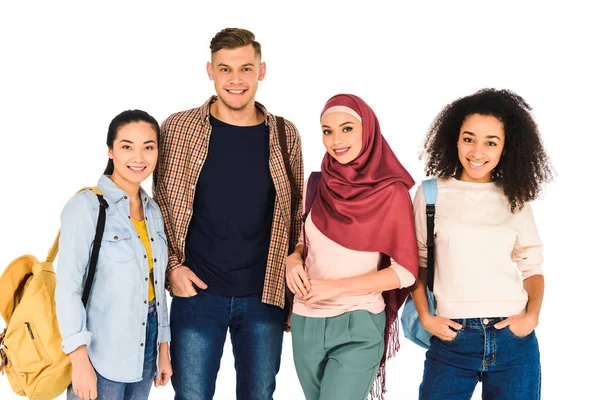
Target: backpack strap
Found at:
430, 194
311, 192
286, 157
96, 246
54, 249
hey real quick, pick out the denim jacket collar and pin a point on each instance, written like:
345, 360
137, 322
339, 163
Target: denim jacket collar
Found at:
114, 194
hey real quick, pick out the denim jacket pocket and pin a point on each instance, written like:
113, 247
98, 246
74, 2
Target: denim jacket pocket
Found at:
117, 246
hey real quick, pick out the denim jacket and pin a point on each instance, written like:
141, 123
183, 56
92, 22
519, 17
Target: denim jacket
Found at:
113, 326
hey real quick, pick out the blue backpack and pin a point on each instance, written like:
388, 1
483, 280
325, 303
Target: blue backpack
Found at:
413, 330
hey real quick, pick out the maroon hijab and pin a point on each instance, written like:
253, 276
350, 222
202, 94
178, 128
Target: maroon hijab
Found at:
365, 205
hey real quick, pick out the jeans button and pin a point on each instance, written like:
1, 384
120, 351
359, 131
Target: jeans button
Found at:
486, 321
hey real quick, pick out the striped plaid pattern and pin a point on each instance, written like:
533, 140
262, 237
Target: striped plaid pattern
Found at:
184, 141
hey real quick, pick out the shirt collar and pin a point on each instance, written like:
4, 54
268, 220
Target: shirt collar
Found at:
205, 111
113, 193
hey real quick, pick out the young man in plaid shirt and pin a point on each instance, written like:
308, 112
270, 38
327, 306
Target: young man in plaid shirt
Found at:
230, 220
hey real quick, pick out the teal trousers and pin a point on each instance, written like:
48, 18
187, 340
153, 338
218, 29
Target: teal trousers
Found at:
338, 357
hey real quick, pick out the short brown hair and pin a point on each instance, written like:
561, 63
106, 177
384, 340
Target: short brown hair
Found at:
232, 38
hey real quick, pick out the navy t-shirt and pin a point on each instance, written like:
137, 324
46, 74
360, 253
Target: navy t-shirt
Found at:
230, 231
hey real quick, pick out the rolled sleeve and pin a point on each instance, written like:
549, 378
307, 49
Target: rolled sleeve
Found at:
406, 278
77, 233
71, 343
164, 334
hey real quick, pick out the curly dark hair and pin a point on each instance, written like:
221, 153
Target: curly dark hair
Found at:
524, 165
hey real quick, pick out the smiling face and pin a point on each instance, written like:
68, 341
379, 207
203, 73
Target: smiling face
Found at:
236, 73
342, 136
480, 145
134, 153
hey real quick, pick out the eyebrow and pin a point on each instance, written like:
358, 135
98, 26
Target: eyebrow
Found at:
342, 124
244, 65
129, 141
487, 136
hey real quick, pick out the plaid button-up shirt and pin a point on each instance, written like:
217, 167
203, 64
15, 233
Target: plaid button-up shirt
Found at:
184, 142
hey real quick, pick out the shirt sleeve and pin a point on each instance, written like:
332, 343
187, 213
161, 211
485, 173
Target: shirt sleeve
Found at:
421, 226
301, 236
297, 165
406, 278
528, 249
77, 231
159, 192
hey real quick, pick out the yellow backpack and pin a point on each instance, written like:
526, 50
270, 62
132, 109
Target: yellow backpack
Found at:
30, 346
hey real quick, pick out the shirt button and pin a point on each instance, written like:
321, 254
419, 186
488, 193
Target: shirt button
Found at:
486, 321
142, 344
157, 303
143, 323
116, 238
146, 279
145, 256
125, 197
145, 301
156, 282
155, 260
152, 239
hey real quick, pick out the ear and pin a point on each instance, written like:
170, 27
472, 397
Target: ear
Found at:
262, 71
209, 71
110, 153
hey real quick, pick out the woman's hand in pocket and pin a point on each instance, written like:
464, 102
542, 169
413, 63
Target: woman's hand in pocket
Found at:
443, 328
520, 325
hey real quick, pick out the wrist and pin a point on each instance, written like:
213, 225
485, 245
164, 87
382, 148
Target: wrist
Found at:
79, 356
533, 317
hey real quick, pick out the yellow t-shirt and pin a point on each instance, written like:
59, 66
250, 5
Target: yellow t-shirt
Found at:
140, 227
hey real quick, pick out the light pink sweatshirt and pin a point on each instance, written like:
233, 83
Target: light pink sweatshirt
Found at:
483, 252
328, 260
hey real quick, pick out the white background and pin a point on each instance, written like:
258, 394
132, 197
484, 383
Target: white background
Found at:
67, 69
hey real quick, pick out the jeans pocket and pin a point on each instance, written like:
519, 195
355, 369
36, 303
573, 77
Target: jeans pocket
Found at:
511, 333
458, 333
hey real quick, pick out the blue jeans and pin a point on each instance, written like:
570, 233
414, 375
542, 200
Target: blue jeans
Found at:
199, 327
111, 390
507, 365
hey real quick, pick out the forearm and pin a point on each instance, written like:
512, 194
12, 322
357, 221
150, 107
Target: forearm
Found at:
534, 286
299, 250
419, 295
79, 356
163, 349
380, 281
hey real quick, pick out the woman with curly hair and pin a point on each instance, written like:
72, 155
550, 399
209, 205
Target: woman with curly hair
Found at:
486, 153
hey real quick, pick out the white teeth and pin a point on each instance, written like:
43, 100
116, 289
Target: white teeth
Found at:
137, 168
476, 164
340, 150
236, 91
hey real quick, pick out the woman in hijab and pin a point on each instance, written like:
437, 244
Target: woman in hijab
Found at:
356, 260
